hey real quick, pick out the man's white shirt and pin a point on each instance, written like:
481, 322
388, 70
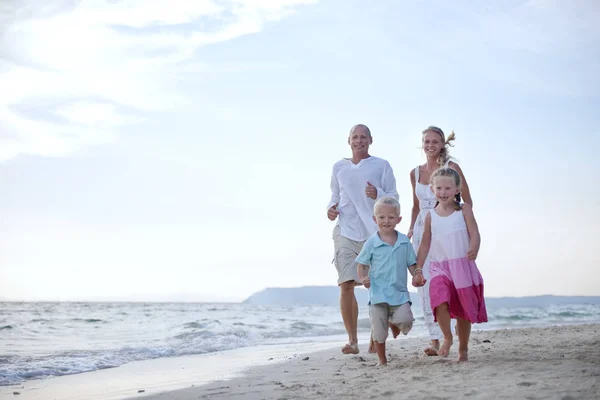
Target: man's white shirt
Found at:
348, 185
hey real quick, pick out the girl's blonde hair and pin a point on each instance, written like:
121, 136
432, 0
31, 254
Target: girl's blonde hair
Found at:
444, 155
450, 173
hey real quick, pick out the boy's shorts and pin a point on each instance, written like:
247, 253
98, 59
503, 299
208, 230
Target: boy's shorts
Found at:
346, 251
383, 313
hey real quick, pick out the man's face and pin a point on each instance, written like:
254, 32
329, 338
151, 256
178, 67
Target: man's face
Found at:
359, 141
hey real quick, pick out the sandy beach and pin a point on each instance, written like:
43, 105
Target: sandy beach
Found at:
560, 362
547, 363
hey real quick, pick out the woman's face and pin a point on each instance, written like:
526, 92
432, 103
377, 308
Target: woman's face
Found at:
432, 144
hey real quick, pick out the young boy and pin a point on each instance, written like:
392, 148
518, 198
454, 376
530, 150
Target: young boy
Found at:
382, 265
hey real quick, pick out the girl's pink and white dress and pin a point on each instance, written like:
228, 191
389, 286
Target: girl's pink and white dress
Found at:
454, 278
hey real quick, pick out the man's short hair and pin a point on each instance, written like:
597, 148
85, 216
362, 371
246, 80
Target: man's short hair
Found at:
366, 128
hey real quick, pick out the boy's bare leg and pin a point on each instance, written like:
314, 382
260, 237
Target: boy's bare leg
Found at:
395, 333
380, 348
395, 330
443, 318
349, 310
372, 345
464, 331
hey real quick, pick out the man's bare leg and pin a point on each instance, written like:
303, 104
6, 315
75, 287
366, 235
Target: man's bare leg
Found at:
443, 318
464, 331
349, 310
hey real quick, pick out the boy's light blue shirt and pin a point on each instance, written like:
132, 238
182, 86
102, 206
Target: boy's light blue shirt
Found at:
388, 266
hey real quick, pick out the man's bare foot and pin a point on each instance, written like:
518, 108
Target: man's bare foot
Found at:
395, 330
350, 348
445, 349
433, 349
463, 355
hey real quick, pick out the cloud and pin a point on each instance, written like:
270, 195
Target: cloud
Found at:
122, 54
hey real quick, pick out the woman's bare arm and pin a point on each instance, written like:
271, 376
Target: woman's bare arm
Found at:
425, 242
415, 208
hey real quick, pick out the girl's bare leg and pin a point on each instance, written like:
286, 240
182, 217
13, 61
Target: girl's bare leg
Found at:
443, 318
464, 331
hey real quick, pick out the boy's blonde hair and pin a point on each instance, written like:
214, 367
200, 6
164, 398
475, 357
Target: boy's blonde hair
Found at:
390, 201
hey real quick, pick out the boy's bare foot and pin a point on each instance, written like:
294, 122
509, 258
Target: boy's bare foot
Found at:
463, 355
350, 348
372, 346
445, 349
395, 330
433, 349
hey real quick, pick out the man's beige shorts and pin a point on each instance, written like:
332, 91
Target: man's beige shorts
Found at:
383, 313
346, 251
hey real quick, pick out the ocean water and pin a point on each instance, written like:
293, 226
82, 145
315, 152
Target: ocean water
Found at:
42, 340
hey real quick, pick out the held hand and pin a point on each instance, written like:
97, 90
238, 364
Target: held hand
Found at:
332, 213
410, 233
371, 191
418, 280
472, 254
366, 282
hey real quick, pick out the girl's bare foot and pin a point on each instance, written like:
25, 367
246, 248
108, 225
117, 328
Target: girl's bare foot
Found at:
433, 349
382, 364
463, 355
445, 349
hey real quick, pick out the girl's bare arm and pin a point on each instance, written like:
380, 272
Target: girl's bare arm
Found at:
473, 229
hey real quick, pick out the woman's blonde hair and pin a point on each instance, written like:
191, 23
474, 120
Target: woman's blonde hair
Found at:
444, 155
450, 173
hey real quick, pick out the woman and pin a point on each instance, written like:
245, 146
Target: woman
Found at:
435, 146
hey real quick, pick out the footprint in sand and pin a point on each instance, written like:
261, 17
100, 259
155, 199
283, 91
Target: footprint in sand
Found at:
526, 383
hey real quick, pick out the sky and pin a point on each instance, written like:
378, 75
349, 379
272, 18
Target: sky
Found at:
182, 150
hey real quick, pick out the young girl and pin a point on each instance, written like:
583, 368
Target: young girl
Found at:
451, 242
435, 146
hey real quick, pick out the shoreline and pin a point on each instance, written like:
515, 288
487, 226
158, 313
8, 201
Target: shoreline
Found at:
161, 374
515, 356
558, 362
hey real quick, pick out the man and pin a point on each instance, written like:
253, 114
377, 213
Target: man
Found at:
356, 183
